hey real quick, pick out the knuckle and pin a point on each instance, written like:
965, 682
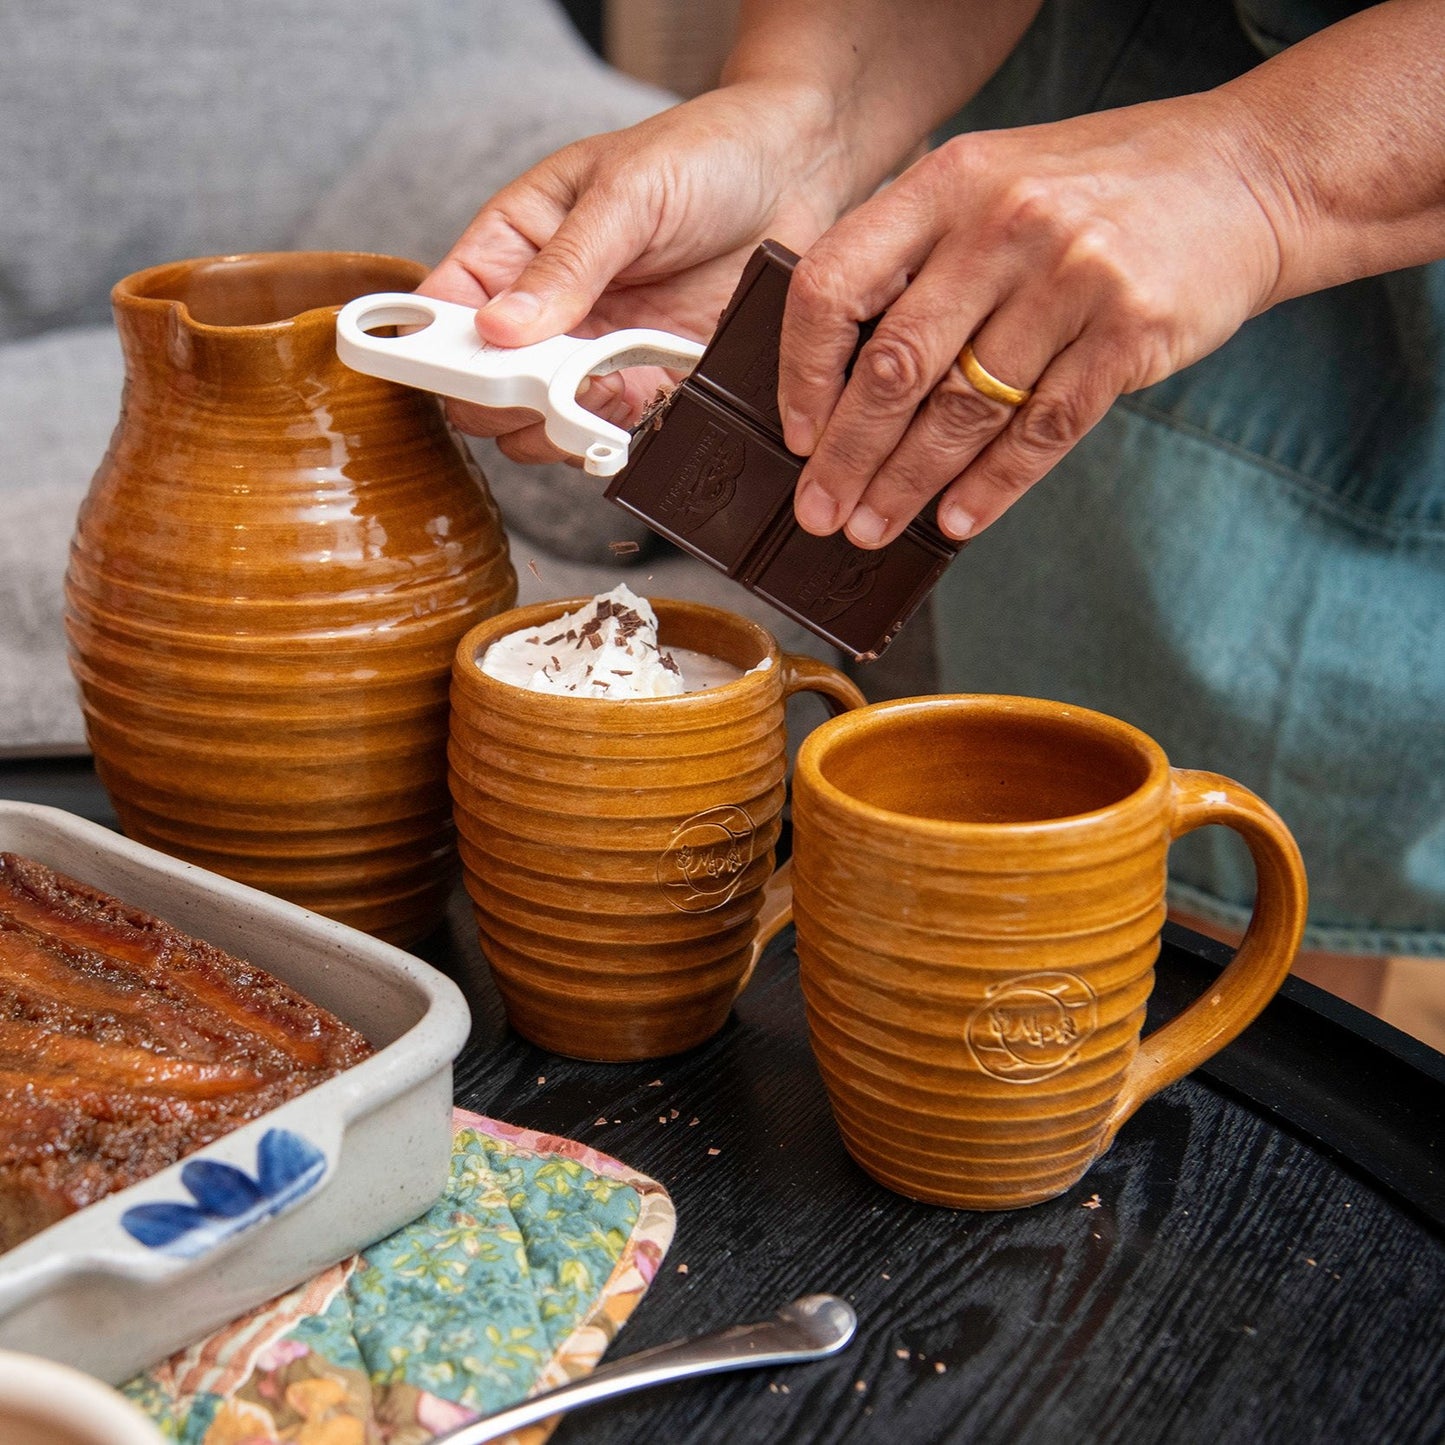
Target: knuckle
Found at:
892, 365
842, 458
911, 486
816, 289
1032, 211
563, 261
1096, 256
959, 157
964, 417
1008, 481
1050, 423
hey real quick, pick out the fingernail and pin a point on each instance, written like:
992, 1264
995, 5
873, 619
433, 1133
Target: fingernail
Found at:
799, 433
955, 522
866, 527
816, 511
516, 306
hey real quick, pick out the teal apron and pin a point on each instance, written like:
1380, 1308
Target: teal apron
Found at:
1248, 559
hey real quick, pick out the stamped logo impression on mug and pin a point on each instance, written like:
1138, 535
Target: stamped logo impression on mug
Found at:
706, 857
1032, 1026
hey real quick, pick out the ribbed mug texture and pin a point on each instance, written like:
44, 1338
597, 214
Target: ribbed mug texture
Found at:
616, 851
267, 583
978, 891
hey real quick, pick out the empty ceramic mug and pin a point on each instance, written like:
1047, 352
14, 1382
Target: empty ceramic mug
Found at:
978, 893
617, 851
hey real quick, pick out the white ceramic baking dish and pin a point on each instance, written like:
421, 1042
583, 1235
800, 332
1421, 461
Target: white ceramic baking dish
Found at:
119, 1285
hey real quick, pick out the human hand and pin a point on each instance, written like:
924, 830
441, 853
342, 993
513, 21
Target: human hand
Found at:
648, 226
1083, 259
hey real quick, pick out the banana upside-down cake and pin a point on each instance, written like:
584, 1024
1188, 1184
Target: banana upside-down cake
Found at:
125, 1045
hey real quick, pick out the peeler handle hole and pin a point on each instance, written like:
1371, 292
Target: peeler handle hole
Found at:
395, 318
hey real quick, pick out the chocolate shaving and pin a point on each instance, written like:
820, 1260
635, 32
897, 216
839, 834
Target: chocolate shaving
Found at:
670, 664
624, 549
652, 413
551, 641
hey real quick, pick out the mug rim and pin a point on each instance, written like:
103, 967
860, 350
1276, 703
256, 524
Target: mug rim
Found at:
875, 716
467, 670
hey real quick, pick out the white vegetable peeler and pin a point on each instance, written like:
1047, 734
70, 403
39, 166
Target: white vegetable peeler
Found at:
445, 354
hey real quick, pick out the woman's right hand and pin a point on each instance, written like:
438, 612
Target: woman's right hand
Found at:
648, 226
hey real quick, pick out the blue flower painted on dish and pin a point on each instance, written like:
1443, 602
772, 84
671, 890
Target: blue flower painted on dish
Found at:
228, 1199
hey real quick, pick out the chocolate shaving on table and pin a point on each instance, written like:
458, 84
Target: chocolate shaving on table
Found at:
624, 548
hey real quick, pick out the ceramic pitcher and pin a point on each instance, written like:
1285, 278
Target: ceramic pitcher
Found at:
267, 582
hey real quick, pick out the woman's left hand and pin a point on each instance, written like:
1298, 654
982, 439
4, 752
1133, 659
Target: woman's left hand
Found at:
1078, 260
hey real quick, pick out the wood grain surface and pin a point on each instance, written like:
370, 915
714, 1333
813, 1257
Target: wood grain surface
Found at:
1216, 1277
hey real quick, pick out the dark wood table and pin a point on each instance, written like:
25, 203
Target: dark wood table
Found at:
1260, 1258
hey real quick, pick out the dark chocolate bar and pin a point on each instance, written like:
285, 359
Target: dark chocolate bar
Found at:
709, 471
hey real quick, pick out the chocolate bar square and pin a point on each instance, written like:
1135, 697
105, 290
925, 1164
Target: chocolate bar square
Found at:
710, 471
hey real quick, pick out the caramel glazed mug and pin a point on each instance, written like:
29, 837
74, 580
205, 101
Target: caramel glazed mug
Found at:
619, 852
978, 889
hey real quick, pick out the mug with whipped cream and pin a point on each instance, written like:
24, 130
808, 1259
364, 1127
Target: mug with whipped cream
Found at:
617, 773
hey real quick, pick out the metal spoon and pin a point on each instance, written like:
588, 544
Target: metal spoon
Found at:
807, 1329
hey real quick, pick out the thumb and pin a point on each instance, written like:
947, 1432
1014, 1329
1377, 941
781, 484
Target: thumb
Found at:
560, 285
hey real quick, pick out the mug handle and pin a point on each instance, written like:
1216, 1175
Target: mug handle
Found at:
1264, 957
840, 694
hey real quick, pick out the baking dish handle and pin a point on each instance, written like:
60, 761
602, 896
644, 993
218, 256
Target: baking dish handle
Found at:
186, 1216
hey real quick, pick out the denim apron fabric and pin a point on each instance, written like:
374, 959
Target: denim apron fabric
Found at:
1248, 559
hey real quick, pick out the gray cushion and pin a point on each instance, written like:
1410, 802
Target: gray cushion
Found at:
477, 123
59, 396
138, 132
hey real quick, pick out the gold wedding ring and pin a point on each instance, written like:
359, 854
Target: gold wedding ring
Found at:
988, 385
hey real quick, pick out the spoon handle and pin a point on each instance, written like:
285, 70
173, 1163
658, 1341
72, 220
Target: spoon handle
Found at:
739, 1347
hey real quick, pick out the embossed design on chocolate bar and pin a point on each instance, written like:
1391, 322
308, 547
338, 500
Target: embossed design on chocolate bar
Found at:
706, 857
705, 482
1032, 1027
845, 575
760, 380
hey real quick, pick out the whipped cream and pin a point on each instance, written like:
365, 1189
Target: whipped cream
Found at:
607, 648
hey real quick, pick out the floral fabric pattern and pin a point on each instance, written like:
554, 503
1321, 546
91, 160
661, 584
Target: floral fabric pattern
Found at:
515, 1281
